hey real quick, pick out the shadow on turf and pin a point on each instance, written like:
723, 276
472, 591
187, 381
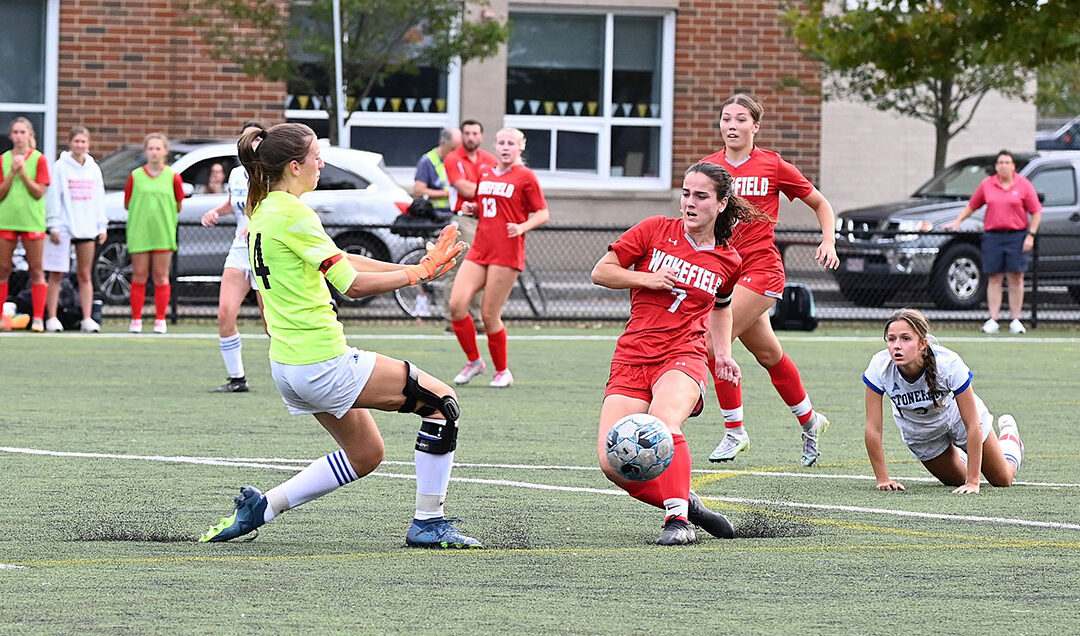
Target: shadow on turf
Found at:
128, 527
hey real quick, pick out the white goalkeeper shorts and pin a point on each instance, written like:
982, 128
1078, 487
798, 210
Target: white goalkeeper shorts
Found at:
330, 386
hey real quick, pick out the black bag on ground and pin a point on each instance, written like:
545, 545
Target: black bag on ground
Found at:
795, 310
68, 310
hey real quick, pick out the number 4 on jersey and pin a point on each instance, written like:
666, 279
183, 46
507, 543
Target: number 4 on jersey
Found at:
261, 270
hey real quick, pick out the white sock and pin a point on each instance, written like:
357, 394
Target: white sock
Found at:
1010, 446
320, 477
738, 431
230, 352
675, 507
432, 480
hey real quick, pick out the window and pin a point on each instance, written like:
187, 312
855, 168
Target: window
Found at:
1057, 185
592, 94
24, 49
334, 178
400, 117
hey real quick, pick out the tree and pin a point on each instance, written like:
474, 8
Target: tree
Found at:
294, 42
933, 60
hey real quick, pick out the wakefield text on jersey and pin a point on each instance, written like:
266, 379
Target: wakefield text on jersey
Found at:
686, 273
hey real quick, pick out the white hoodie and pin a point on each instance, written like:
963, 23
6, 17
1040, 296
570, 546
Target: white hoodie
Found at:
76, 203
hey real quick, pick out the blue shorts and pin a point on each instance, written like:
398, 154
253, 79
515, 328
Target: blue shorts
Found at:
1004, 252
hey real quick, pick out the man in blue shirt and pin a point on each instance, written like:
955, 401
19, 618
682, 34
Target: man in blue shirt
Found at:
430, 178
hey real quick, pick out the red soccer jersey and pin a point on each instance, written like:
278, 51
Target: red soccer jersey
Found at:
458, 167
504, 198
760, 179
664, 324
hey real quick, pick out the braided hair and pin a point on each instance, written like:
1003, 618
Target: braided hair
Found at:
921, 326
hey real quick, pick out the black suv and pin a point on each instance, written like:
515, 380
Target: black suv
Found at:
886, 249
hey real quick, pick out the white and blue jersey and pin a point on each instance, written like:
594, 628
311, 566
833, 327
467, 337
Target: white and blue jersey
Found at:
238, 191
926, 428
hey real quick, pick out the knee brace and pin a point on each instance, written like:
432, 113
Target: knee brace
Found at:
435, 436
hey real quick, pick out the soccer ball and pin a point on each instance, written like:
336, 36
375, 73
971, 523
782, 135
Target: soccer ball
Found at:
639, 447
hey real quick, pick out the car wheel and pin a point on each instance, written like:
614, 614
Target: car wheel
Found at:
957, 281
111, 274
361, 245
865, 296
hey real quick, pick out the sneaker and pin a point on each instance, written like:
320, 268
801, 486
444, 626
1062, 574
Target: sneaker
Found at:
135, 326
1016, 326
471, 369
709, 520
814, 427
37, 325
54, 325
160, 326
89, 325
990, 326
233, 385
729, 447
250, 508
502, 379
676, 532
438, 533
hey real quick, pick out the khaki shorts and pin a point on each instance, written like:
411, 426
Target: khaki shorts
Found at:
330, 386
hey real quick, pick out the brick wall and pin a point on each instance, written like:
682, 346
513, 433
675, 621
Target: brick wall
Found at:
127, 69
728, 46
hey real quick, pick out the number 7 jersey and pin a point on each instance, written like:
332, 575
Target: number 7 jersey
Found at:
665, 323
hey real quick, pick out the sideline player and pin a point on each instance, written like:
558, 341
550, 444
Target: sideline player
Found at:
936, 410
315, 370
236, 277
681, 273
760, 176
510, 203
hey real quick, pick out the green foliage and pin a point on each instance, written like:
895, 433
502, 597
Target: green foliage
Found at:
1059, 90
379, 38
933, 60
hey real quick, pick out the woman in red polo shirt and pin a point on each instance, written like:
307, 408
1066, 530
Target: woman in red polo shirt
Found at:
1008, 236
24, 177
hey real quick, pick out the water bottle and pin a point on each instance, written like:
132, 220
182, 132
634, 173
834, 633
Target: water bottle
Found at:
95, 311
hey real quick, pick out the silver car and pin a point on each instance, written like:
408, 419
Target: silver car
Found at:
356, 199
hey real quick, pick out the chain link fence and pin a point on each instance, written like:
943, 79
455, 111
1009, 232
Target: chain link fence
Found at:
875, 276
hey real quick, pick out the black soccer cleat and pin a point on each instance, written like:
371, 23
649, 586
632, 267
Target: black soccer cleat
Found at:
709, 520
233, 385
676, 532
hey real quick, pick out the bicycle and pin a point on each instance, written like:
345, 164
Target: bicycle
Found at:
428, 300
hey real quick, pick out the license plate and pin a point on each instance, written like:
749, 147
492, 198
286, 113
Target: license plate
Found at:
855, 264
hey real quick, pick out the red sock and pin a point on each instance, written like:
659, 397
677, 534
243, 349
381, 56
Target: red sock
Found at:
785, 377
497, 347
161, 300
138, 299
673, 483
3, 293
730, 398
38, 294
465, 330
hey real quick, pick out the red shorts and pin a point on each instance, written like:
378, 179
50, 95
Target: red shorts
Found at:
763, 273
509, 253
13, 235
637, 380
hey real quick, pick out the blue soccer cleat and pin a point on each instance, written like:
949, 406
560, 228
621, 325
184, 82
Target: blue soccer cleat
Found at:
438, 533
250, 507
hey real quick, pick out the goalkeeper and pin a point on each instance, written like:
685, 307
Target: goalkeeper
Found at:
315, 370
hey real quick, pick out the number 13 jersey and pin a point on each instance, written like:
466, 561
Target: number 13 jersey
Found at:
663, 323
509, 197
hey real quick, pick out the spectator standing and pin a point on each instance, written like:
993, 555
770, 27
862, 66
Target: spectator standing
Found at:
463, 167
24, 179
153, 197
1008, 236
430, 179
236, 277
77, 217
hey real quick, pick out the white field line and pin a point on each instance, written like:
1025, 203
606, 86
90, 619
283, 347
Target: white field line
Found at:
522, 484
539, 337
5, 566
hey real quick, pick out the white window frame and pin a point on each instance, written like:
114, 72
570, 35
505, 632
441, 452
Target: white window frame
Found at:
401, 174
51, 74
602, 125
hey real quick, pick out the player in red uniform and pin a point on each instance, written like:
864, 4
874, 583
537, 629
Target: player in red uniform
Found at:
509, 203
760, 176
681, 273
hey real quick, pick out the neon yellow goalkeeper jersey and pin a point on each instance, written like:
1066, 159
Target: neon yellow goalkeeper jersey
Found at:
290, 255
